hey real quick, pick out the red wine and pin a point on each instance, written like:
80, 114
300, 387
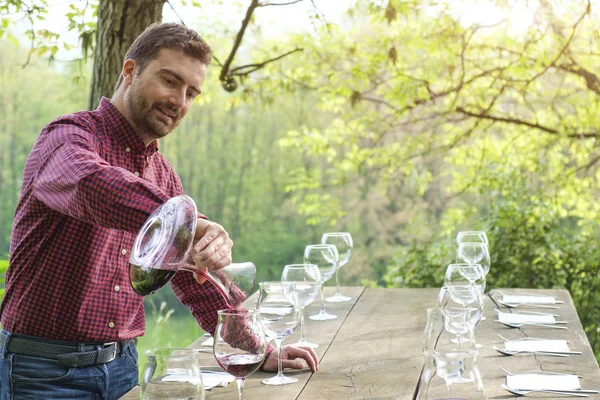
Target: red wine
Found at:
146, 282
240, 365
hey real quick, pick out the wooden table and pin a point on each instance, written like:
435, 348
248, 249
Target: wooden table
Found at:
373, 350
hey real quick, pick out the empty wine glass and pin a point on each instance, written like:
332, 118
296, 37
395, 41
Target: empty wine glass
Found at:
472, 236
239, 345
172, 373
474, 253
308, 280
343, 242
463, 308
279, 314
325, 257
465, 274
164, 245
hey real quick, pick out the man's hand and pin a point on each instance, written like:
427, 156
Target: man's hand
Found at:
212, 247
291, 357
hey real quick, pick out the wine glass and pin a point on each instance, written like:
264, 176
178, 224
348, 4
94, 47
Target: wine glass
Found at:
465, 274
171, 373
472, 236
239, 344
343, 242
463, 308
164, 245
308, 280
325, 257
279, 314
474, 253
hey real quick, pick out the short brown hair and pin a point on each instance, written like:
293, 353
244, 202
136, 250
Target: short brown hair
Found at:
170, 36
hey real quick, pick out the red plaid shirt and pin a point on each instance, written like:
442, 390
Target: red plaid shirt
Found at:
88, 186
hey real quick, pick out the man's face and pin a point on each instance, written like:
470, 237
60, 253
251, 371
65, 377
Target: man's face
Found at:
161, 95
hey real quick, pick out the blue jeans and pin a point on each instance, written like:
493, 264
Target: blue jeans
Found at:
25, 377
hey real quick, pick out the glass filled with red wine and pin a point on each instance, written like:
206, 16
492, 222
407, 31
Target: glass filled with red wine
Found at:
239, 344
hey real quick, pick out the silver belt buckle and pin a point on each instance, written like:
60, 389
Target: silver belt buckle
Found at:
114, 354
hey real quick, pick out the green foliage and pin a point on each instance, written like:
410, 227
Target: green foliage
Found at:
164, 328
3, 269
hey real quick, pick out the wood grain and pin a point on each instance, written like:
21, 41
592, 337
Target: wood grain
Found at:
373, 350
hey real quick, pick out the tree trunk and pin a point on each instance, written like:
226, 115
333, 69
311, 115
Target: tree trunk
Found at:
119, 23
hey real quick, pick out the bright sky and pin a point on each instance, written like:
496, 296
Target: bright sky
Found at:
273, 21
276, 21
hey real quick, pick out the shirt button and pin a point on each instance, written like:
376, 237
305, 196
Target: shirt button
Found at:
123, 251
117, 288
136, 173
127, 149
111, 324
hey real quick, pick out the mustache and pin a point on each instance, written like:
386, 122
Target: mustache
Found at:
168, 107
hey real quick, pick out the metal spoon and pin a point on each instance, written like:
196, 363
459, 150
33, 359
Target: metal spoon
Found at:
535, 371
538, 352
519, 392
515, 305
515, 325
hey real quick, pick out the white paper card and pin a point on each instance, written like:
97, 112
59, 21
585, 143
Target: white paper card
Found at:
524, 299
543, 382
537, 345
512, 318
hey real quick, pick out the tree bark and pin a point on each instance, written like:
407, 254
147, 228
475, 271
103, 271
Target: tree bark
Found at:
119, 23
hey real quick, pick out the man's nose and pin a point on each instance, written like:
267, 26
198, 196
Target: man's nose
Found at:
177, 99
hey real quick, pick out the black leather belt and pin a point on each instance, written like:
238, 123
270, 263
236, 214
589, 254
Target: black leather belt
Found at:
67, 354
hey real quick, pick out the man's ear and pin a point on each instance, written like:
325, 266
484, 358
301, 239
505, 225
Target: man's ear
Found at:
128, 71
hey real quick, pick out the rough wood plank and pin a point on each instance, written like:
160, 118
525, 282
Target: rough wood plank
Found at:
374, 352
377, 353
320, 332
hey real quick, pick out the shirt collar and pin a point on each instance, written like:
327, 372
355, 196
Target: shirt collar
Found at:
123, 131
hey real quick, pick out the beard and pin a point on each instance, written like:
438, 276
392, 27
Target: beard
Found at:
145, 116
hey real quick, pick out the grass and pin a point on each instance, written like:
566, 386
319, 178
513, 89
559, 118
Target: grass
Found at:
165, 328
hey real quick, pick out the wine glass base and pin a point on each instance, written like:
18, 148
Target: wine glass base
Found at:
322, 317
279, 380
338, 299
307, 344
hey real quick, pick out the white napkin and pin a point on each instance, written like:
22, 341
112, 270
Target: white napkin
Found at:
212, 380
533, 381
527, 299
513, 318
208, 342
537, 345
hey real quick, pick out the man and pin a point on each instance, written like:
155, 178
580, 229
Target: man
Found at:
69, 314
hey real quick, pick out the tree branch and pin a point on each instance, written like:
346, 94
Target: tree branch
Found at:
238, 40
279, 4
516, 121
236, 70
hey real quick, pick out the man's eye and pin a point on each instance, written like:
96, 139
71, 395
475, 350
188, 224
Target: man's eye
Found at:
169, 81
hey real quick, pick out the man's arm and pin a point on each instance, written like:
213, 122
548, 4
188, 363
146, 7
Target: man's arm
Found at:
74, 180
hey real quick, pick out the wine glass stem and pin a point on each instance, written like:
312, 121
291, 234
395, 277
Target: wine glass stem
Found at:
322, 299
279, 360
337, 284
240, 385
302, 335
